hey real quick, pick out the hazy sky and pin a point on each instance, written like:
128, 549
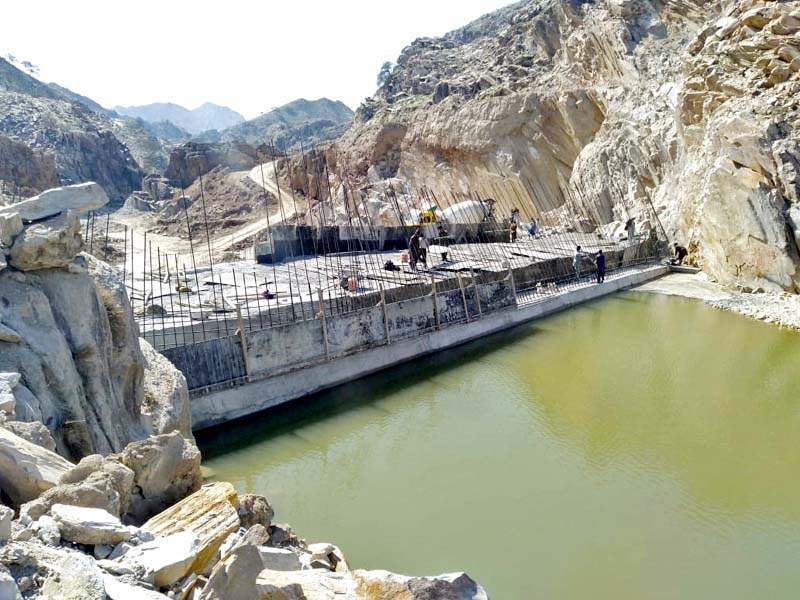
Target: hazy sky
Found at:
250, 55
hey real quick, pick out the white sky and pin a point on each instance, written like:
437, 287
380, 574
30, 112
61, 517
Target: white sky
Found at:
248, 55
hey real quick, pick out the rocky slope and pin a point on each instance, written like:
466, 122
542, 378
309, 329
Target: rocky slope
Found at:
81, 141
205, 117
305, 122
609, 107
101, 493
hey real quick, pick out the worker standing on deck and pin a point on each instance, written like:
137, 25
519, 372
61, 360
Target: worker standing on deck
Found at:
413, 248
600, 263
423, 249
577, 262
630, 227
514, 225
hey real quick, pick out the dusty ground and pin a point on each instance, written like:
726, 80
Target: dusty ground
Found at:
779, 308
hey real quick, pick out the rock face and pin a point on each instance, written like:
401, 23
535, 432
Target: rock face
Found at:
610, 110
27, 172
81, 373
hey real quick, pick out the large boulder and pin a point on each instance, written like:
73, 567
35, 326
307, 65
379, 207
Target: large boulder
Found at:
33, 431
210, 513
50, 244
27, 470
119, 590
235, 577
255, 510
81, 198
382, 585
166, 469
166, 394
166, 559
89, 525
95, 482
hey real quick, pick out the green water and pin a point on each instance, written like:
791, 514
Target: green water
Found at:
642, 447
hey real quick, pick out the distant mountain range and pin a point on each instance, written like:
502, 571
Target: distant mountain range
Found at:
205, 117
300, 122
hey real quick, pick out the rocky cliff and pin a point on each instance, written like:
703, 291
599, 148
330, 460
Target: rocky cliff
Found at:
612, 107
85, 141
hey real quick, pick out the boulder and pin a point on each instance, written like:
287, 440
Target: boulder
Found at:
89, 525
81, 198
119, 590
10, 227
166, 469
166, 559
6, 516
235, 577
27, 470
33, 431
95, 482
47, 530
210, 513
279, 559
382, 585
285, 585
255, 510
166, 394
50, 244
8, 587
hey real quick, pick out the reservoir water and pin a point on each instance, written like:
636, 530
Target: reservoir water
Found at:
642, 446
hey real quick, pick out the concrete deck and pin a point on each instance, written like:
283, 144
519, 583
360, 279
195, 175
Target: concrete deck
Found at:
222, 405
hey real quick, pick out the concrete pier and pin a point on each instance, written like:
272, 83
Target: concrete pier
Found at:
277, 366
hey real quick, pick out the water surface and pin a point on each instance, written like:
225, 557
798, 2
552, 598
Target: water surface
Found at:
639, 447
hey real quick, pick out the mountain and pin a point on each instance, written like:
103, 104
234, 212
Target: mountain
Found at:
49, 122
205, 117
306, 122
606, 108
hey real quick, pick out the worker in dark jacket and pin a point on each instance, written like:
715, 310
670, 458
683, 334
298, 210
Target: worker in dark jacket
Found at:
600, 262
414, 248
680, 254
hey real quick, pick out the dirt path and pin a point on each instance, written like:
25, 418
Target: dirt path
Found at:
284, 212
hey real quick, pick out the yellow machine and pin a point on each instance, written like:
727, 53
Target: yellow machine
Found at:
427, 217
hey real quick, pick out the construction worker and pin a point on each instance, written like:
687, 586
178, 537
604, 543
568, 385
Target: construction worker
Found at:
514, 225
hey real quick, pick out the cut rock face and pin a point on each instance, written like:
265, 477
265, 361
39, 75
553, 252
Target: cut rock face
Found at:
89, 525
79, 198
